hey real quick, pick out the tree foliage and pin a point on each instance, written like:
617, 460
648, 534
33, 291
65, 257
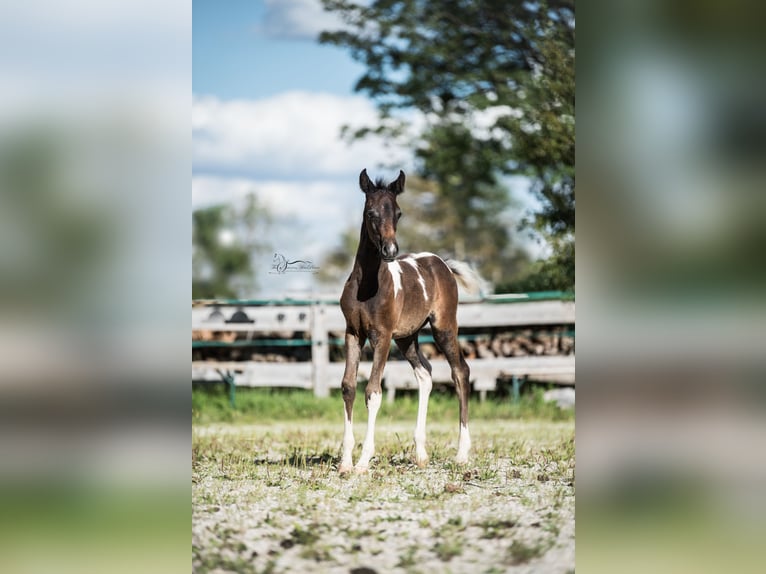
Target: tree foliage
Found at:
495, 81
336, 265
225, 239
445, 219
435, 221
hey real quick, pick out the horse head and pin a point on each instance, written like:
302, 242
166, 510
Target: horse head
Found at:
382, 213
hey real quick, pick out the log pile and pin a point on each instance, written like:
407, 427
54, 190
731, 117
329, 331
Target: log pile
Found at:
246, 346
554, 340
521, 343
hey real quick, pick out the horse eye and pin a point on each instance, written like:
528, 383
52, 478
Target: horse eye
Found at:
372, 215
398, 216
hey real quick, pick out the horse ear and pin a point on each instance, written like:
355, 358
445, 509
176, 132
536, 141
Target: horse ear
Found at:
364, 182
397, 186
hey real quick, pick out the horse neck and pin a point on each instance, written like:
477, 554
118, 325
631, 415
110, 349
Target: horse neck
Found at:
366, 264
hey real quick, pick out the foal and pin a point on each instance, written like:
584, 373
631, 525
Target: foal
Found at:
387, 297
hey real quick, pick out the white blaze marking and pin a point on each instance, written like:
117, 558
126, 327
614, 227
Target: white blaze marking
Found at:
368, 447
348, 443
414, 265
424, 390
396, 275
464, 445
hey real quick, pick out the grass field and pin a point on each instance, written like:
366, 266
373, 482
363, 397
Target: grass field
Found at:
267, 497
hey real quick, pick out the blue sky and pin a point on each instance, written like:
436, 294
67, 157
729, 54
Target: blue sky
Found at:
268, 106
246, 49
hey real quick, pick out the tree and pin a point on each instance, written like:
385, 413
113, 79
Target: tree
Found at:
451, 221
336, 265
434, 221
225, 239
545, 146
495, 81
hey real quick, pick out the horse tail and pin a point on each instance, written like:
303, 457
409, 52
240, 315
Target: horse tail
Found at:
468, 278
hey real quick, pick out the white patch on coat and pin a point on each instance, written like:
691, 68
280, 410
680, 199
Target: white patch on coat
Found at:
424, 254
414, 265
424, 390
464, 445
396, 275
368, 447
348, 444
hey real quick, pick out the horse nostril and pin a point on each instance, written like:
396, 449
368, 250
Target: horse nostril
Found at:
390, 250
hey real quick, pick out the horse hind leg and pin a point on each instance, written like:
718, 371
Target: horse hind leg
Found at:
446, 338
422, 369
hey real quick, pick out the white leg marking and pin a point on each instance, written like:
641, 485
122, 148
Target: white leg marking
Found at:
464, 445
414, 265
424, 390
368, 447
396, 275
348, 444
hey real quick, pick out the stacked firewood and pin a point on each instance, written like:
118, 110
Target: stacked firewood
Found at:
555, 340
259, 351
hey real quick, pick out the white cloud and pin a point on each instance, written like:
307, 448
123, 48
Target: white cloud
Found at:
303, 19
309, 218
287, 150
308, 202
293, 135
312, 214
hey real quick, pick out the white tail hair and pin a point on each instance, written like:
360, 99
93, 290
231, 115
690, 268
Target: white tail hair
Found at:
468, 278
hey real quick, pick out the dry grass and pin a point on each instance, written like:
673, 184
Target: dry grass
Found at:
268, 498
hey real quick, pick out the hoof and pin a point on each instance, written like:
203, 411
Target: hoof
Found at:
361, 469
344, 469
422, 462
460, 459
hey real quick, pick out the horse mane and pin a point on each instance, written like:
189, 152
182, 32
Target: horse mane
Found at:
380, 182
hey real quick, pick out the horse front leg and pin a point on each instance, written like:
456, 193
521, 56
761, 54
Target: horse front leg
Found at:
354, 345
381, 344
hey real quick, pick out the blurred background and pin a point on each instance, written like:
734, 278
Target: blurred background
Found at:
94, 280
670, 287
94, 257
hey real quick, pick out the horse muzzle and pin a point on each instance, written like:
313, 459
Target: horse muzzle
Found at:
389, 251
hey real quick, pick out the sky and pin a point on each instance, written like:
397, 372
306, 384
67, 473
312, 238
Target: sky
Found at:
268, 106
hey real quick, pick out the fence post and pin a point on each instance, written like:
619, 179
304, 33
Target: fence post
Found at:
320, 350
516, 381
228, 377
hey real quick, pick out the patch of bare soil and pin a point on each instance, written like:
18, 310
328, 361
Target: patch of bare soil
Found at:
269, 499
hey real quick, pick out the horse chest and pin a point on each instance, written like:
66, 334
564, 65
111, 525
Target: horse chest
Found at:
398, 303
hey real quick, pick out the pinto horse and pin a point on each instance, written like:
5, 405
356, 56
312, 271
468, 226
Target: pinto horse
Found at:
389, 297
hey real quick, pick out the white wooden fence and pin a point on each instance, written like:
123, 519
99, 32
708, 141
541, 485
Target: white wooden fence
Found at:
319, 318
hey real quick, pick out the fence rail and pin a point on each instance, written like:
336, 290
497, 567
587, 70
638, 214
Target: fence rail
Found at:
317, 319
